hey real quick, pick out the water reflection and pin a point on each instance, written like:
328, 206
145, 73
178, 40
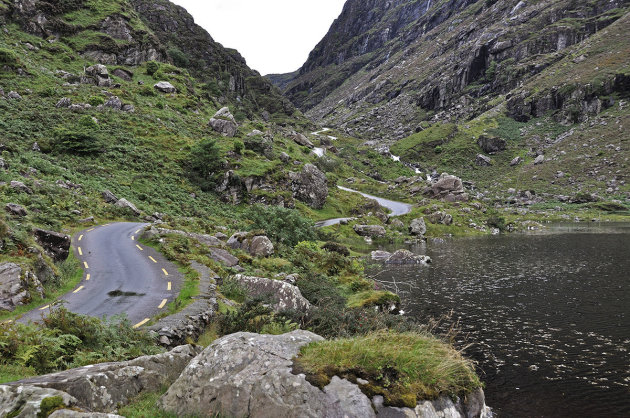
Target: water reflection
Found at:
548, 315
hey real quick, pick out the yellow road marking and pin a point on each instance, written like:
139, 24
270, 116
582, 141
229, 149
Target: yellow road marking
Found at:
90, 230
85, 264
141, 323
137, 231
80, 237
165, 272
44, 307
169, 286
139, 247
79, 289
80, 252
133, 238
163, 304
87, 278
152, 259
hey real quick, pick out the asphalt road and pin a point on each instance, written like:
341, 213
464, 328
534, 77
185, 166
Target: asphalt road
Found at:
121, 276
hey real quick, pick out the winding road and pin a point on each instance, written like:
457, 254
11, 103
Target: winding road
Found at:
396, 208
121, 276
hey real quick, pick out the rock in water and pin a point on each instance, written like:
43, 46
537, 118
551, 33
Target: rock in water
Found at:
224, 123
407, 257
56, 245
310, 186
165, 87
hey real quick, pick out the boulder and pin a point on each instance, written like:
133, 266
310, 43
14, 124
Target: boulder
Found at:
372, 231
98, 70
114, 103
3, 164
310, 186
516, 161
284, 157
105, 387
404, 257
20, 187
15, 209
124, 74
259, 143
380, 255
483, 161
222, 256
418, 227
284, 296
441, 218
17, 287
396, 223
165, 87
539, 160
56, 245
224, 123
447, 184
302, 140
14, 95
491, 145
124, 203
109, 197
25, 401
261, 246
64, 102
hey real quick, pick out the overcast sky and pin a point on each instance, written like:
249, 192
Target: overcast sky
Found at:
274, 36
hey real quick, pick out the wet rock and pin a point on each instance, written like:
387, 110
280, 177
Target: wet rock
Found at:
124, 203
491, 145
223, 122
310, 186
284, 296
15, 209
418, 227
372, 231
105, 387
56, 245
302, 140
483, 161
25, 401
17, 287
165, 87
403, 257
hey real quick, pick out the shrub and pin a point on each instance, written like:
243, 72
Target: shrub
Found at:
179, 58
96, 101
231, 289
147, 91
78, 140
203, 162
152, 67
495, 221
238, 147
286, 226
8, 57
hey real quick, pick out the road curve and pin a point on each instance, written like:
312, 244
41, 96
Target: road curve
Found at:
396, 208
121, 276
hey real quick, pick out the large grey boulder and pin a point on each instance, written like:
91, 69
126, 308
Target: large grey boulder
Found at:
56, 245
165, 87
447, 184
124, 203
302, 140
372, 231
15, 209
261, 246
17, 287
25, 401
539, 160
249, 375
284, 296
441, 218
109, 197
404, 257
222, 256
418, 227
483, 160
310, 186
491, 145
20, 187
105, 387
224, 123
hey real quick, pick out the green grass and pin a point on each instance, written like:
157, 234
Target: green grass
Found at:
14, 372
71, 274
403, 367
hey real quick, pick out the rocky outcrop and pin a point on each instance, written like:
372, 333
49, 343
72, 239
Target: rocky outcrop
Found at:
283, 296
255, 245
491, 144
372, 231
56, 245
441, 218
15, 210
449, 188
25, 401
251, 375
224, 123
310, 186
17, 287
105, 387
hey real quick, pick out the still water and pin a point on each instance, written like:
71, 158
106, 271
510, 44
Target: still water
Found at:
548, 315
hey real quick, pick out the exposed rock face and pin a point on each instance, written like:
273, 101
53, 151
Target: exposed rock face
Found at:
285, 296
310, 186
418, 227
250, 375
15, 209
224, 123
122, 73
372, 231
17, 287
491, 144
56, 245
25, 401
104, 387
165, 87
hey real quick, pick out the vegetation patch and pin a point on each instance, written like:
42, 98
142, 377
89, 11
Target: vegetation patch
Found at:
402, 367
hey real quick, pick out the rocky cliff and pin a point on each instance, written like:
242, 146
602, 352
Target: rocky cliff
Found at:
387, 66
